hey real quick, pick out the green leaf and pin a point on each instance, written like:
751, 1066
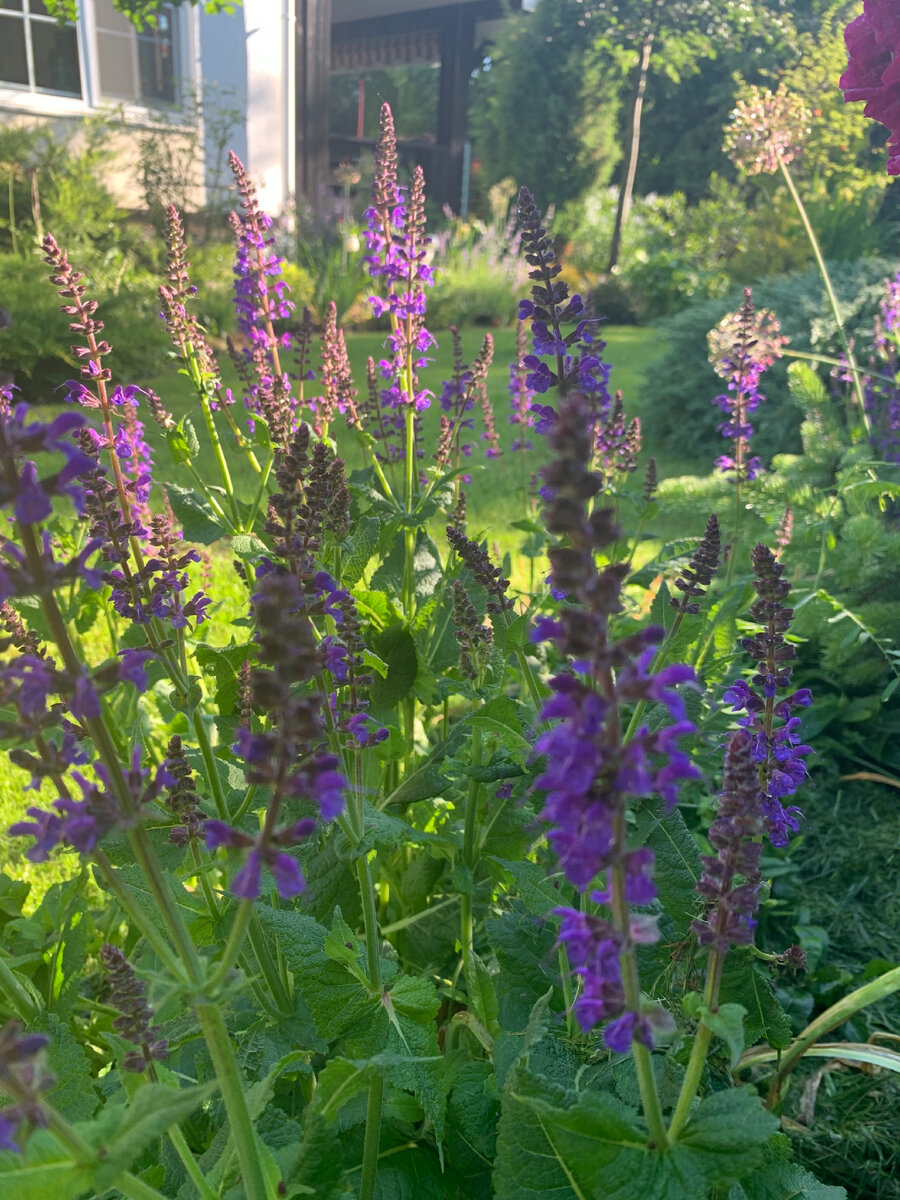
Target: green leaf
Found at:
744, 982
865, 1052
364, 545
73, 1094
481, 993
727, 1022
677, 863
338, 1002
423, 784
342, 944
409, 1174
781, 1179
473, 1110
664, 614
223, 664
591, 1147
198, 520
506, 719
403, 1024
247, 545
340, 1082
396, 646
182, 442
42, 1171
152, 1111
539, 892
525, 949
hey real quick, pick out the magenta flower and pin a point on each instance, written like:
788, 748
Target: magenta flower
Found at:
873, 72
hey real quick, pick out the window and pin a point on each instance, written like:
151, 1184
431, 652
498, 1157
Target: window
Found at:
35, 52
139, 66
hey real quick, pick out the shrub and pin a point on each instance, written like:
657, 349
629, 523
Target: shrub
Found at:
479, 271
683, 384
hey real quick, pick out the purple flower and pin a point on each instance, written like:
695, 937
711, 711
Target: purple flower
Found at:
731, 878
590, 771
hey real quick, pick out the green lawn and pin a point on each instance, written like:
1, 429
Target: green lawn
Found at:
495, 491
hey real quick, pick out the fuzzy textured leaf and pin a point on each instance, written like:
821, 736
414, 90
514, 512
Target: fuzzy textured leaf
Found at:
592, 1147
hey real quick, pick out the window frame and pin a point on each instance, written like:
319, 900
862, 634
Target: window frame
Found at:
31, 89
18, 99
181, 54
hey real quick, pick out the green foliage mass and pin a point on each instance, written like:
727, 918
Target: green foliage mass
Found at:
682, 383
543, 109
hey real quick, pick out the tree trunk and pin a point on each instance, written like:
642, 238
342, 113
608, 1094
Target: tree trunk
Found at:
634, 145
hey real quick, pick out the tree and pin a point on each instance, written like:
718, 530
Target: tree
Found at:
672, 36
543, 108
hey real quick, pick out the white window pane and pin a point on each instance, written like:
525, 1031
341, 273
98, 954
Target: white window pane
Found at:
157, 68
55, 52
108, 18
13, 64
116, 66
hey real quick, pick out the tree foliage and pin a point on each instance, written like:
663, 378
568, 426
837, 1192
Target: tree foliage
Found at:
544, 104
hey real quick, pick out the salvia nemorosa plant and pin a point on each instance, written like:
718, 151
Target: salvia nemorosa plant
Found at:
378, 891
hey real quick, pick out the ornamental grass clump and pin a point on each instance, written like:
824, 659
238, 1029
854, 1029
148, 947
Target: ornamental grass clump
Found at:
403, 880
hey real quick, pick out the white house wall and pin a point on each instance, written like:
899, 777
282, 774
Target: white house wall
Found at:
251, 51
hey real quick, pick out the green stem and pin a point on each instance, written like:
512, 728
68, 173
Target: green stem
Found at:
365, 444
211, 498
376, 1087
129, 1185
269, 968
233, 946
183, 1150
18, 997
735, 542
470, 833
136, 915
373, 1139
691, 1081
702, 1038
221, 461
260, 492
209, 766
829, 290
643, 1060
565, 974
10, 188
221, 1052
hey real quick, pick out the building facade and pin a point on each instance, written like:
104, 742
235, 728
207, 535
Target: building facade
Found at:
269, 60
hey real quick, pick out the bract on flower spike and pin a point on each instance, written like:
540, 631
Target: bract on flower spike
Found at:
574, 355
287, 757
777, 747
701, 569
127, 993
731, 877
185, 331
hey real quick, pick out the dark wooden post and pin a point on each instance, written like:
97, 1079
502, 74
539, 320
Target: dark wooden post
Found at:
457, 49
313, 63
